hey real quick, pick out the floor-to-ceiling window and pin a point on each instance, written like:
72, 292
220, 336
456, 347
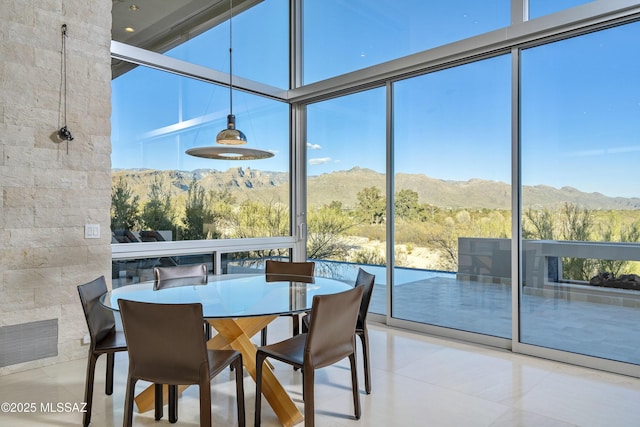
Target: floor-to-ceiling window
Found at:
346, 197
157, 187
434, 86
161, 194
364, 33
452, 197
580, 125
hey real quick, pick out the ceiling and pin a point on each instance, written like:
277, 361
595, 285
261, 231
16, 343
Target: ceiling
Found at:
159, 25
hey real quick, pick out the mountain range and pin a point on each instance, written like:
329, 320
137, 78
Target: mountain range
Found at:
343, 186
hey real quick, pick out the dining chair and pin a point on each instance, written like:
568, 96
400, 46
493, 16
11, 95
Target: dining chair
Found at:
182, 275
331, 338
366, 280
172, 277
305, 269
168, 277
166, 346
105, 339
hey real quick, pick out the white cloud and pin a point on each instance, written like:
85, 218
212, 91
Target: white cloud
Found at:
319, 161
311, 146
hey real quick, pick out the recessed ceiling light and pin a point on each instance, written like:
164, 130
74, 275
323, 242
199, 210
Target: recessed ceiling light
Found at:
129, 29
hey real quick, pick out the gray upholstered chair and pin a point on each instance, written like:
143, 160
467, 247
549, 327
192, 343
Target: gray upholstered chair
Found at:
166, 346
331, 338
105, 339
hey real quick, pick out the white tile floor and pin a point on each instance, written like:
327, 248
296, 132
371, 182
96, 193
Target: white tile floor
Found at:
417, 381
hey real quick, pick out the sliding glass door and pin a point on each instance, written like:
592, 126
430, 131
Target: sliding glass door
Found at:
452, 198
581, 202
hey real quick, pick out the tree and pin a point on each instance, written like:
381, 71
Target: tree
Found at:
124, 207
197, 213
156, 214
541, 223
326, 235
256, 219
628, 233
406, 205
371, 205
577, 226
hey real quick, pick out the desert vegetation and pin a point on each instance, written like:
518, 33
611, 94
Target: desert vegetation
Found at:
426, 236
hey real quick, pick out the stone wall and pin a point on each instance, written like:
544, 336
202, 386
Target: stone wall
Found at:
49, 191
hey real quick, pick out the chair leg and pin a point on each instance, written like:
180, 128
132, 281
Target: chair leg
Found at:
240, 391
296, 324
128, 402
88, 387
259, 362
158, 401
173, 403
205, 401
207, 330
263, 336
364, 338
296, 329
108, 387
307, 393
354, 385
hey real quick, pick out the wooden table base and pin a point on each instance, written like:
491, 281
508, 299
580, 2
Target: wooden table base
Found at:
236, 334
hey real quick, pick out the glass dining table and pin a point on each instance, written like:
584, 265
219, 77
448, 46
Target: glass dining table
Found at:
237, 306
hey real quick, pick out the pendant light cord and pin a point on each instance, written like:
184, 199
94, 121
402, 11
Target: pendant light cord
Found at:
230, 58
63, 132
63, 71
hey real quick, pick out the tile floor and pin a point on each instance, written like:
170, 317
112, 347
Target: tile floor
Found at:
417, 381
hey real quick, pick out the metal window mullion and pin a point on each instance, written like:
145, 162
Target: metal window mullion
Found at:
390, 182
516, 200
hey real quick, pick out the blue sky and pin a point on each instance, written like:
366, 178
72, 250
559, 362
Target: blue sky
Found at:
580, 99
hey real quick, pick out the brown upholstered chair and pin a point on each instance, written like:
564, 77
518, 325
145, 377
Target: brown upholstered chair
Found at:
331, 338
166, 346
275, 268
182, 275
105, 339
365, 280
172, 277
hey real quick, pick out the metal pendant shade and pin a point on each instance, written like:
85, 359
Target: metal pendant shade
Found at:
230, 137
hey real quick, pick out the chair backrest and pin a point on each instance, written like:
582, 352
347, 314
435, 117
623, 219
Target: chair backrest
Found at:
294, 268
100, 320
170, 277
366, 280
331, 333
165, 341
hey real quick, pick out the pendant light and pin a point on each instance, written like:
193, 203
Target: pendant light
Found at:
230, 137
